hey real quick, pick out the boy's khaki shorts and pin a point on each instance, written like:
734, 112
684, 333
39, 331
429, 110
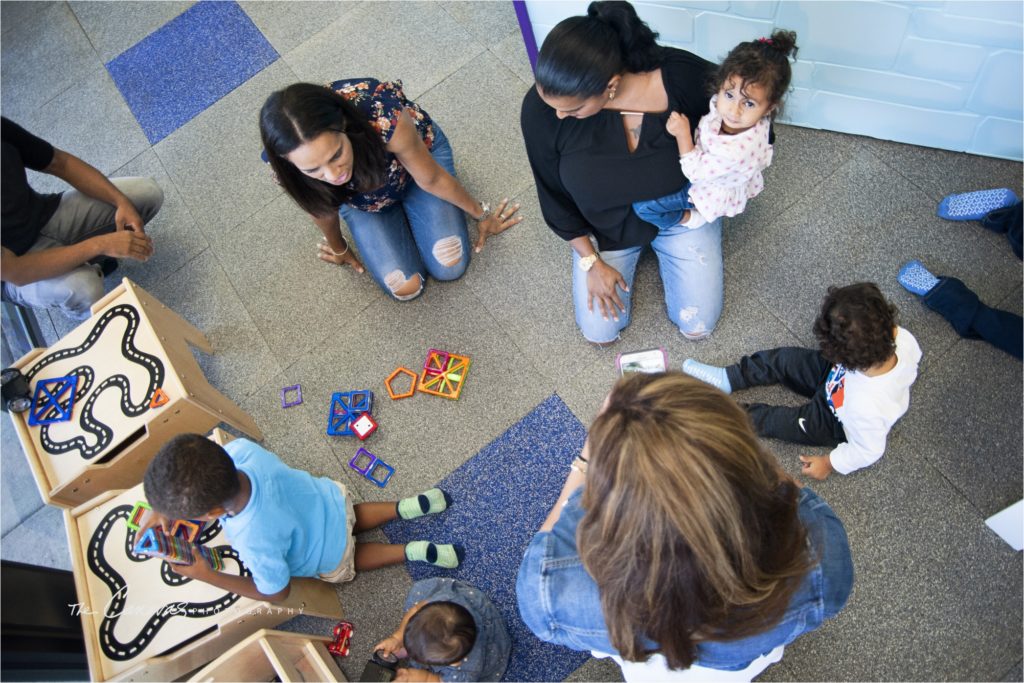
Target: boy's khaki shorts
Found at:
346, 569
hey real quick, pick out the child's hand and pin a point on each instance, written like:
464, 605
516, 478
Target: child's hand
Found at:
199, 570
816, 466
152, 518
678, 126
392, 645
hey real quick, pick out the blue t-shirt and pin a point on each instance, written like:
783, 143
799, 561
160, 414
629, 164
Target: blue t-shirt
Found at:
488, 658
293, 525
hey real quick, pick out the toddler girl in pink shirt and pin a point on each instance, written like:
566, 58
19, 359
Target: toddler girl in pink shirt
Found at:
733, 143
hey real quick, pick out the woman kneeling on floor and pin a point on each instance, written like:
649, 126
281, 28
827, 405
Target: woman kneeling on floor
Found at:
678, 545
361, 149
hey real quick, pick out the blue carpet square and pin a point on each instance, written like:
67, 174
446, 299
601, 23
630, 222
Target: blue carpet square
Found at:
501, 497
179, 70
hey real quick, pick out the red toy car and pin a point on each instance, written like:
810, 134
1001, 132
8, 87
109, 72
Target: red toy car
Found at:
342, 634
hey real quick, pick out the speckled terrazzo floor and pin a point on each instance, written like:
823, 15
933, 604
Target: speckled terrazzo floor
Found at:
937, 596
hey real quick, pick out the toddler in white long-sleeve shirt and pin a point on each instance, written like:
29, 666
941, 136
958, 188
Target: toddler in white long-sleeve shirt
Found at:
733, 147
858, 382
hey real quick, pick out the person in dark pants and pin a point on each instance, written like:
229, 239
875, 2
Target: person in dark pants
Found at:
858, 382
954, 301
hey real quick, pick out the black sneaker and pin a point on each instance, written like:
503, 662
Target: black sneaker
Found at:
107, 264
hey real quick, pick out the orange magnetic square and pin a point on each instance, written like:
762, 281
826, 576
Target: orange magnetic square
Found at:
447, 383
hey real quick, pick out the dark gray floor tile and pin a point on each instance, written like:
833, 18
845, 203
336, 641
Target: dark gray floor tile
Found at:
1016, 673
92, 122
833, 238
241, 360
113, 27
214, 159
489, 22
40, 540
938, 172
44, 53
490, 163
18, 14
433, 47
523, 277
512, 53
976, 445
802, 159
295, 299
20, 499
597, 670
914, 614
176, 237
288, 24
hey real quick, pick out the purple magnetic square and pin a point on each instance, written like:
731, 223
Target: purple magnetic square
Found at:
285, 403
179, 70
359, 454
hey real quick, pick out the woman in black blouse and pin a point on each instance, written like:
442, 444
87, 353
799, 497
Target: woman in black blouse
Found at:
595, 135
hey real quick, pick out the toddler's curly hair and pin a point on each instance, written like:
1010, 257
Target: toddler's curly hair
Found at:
764, 61
440, 633
855, 326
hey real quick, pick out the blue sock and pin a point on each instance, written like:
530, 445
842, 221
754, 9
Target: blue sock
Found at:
916, 279
712, 374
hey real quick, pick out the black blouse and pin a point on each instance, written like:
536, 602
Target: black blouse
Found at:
587, 179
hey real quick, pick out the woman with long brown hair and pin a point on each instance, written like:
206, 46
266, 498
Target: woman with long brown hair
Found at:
359, 149
679, 543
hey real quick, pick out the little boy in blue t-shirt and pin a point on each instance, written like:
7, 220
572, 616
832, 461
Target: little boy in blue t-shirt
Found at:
282, 522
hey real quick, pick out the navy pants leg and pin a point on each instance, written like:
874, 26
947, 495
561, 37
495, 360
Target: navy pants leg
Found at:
974, 320
1009, 222
801, 370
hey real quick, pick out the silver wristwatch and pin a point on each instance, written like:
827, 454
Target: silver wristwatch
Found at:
486, 214
587, 262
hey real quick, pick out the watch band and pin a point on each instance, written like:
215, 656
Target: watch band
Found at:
486, 214
587, 262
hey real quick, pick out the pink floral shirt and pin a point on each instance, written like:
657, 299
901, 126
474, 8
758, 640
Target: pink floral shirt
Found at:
725, 170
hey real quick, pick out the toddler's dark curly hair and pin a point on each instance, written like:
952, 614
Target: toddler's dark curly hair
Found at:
440, 633
765, 62
189, 477
856, 326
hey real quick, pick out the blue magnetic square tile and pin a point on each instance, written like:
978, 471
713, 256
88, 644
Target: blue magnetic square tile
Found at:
179, 70
501, 496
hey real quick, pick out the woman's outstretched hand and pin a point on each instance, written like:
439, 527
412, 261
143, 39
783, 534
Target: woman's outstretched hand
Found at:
602, 281
346, 258
503, 218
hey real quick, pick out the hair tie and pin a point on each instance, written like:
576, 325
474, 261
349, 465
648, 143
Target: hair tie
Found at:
766, 41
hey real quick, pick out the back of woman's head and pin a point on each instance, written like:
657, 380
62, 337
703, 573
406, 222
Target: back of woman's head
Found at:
440, 633
690, 526
581, 54
299, 114
764, 62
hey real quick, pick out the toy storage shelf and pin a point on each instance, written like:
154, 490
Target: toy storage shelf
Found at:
274, 655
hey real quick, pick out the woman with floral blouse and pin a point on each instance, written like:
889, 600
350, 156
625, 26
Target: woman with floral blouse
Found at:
360, 149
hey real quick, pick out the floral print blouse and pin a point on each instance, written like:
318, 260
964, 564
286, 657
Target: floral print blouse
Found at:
382, 102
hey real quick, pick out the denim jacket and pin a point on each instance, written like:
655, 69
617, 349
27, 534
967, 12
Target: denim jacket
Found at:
560, 602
